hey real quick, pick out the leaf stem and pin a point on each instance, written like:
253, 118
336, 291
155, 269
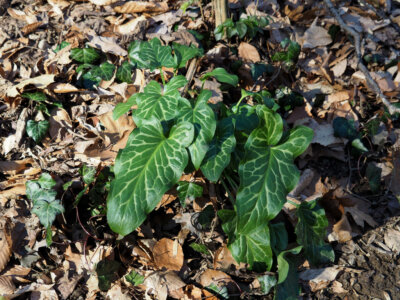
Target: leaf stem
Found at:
162, 76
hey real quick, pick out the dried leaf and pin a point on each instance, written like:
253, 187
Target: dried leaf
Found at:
316, 36
7, 287
168, 254
132, 27
249, 52
142, 6
41, 82
163, 283
5, 250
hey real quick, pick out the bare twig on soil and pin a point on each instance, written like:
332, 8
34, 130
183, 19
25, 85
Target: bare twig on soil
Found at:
357, 43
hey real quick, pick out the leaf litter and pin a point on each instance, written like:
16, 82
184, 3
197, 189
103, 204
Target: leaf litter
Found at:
362, 210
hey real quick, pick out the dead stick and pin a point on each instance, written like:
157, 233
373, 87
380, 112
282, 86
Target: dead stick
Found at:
357, 43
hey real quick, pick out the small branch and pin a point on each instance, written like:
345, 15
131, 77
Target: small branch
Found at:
357, 43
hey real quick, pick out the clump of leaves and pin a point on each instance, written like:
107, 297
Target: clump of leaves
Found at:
44, 203
289, 55
249, 27
89, 72
247, 147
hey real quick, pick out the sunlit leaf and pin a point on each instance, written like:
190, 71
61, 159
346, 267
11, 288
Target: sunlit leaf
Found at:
37, 130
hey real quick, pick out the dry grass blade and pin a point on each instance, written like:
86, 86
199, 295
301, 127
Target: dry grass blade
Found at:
7, 287
5, 251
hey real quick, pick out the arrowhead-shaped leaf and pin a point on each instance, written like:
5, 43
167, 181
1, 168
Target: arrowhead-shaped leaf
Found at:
203, 119
159, 103
151, 54
222, 76
267, 174
311, 232
183, 53
105, 71
188, 190
145, 169
219, 151
47, 211
37, 130
124, 72
122, 108
85, 55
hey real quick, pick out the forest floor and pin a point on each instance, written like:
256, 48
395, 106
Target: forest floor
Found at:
353, 169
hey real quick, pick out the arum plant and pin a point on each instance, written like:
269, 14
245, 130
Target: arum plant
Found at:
246, 142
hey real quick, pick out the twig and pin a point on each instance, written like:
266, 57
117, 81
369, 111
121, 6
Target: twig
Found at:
357, 43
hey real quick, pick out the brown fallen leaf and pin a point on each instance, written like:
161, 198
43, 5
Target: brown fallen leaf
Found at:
316, 36
5, 250
249, 52
142, 6
217, 278
27, 29
341, 231
41, 82
60, 122
7, 286
168, 254
319, 279
163, 283
105, 44
132, 27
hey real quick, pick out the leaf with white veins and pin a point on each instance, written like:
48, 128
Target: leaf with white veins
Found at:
145, 169
159, 103
203, 119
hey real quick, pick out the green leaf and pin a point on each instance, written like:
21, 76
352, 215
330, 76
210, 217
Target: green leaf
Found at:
219, 151
124, 72
88, 174
46, 181
203, 119
37, 130
47, 211
61, 46
373, 174
288, 289
183, 53
36, 96
159, 103
266, 283
88, 80
267, 175
107, 273
200, 248
241, 29
283, 264
151, 54
221, 292
135, 278
105, 71
86, 55
358, 144
188, 190
293, 51
311, 232
122, 108
222, 76
279, 237
345, 128
279, 56
145, 169
257, 70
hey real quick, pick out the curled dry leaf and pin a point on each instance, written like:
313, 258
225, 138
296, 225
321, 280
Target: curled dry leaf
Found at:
5, 250
106, 44
20, 15
218, 278
168, 254
7, 287
27, 29
131, 27
40, 82
163, 283
142, 6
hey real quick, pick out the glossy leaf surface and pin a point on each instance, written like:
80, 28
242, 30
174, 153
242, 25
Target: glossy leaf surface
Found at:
145, 169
